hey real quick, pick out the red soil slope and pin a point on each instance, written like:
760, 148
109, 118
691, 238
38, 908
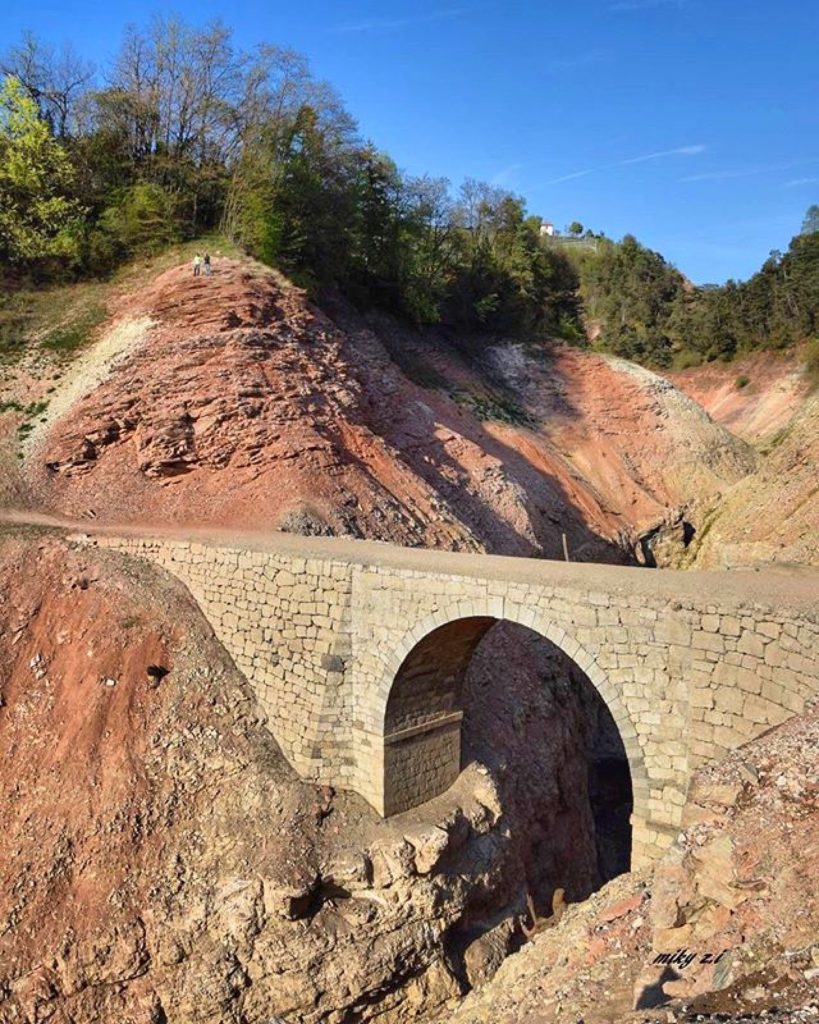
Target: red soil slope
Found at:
245, 405
771, 515
754, 397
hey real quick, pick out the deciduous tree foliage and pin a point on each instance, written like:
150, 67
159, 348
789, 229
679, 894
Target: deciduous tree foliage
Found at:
186, 133
39, 220
645, 310
810, 225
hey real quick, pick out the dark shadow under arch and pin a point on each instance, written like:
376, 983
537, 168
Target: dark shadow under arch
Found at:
453, 700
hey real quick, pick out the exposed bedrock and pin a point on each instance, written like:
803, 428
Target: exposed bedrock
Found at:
159, 861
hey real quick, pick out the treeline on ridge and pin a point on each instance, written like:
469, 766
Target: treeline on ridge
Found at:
645, 310
186, 134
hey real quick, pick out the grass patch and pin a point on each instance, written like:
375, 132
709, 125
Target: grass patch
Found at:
69, 337
34, 409
56, 319
494, 407
775, 441
742, 382
685, 360
31, 411
15, 319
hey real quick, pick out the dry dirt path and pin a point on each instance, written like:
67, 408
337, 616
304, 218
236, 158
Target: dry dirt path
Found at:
790, 586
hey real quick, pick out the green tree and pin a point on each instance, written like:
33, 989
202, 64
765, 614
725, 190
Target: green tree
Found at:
427, 247
636, 298
39, 220
374, 232
810, 225
143, 218
314, 203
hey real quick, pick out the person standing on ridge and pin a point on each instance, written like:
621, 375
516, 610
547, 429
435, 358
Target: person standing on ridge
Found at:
207, 264
197, 265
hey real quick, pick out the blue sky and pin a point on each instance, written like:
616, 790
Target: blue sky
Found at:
693, 124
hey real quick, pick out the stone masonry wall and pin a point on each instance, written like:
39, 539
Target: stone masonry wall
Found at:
286, 624
429, 683
321, 640
422, 765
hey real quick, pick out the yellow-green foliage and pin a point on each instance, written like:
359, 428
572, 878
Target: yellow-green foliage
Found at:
38, 220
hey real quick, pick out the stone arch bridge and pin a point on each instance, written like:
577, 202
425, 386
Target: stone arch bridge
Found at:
356, 651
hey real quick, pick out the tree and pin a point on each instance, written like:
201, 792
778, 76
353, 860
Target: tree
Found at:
188, 131
142, 218
374, 232
810, 225
427, 241
56, 80
38, 217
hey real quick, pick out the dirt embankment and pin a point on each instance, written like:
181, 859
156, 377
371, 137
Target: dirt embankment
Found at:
244, 405
725, 929
755, 396
772, 514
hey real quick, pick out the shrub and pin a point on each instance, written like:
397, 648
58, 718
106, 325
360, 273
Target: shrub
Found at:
144, 218
812, 364
687, 359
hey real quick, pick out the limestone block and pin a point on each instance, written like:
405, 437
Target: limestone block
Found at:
749, 643
708, 642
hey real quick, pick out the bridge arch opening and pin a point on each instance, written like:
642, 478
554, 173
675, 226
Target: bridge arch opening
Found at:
489, 690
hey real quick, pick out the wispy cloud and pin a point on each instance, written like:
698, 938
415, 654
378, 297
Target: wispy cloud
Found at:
797, 182
748, 172
726, 175
644, 5
569, 177
679, 151
394, 24
504, 176
693, 150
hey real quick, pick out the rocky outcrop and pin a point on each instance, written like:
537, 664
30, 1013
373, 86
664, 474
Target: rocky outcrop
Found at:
159, 860
728, 924
739, 883
242, 404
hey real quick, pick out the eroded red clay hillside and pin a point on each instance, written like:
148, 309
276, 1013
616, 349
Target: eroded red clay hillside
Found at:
755, 396
232, 401
771, 515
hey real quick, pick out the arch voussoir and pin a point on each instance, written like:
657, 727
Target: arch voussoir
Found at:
500, 607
